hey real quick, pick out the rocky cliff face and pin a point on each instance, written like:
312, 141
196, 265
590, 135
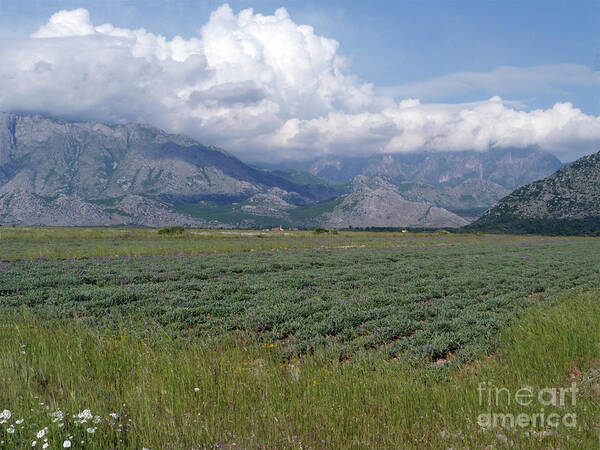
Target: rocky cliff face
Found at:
566, 200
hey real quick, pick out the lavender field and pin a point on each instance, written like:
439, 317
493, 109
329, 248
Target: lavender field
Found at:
222, 337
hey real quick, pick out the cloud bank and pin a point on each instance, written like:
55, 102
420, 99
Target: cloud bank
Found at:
261, 86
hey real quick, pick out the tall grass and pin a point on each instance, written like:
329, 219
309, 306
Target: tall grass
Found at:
233, 390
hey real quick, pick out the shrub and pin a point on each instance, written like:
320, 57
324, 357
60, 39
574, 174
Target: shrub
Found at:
175, 229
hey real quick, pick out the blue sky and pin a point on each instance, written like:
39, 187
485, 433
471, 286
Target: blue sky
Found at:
389, 42
533, 54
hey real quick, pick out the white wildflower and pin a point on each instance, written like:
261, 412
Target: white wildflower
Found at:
40, 434
196, 389
57, 416
67, 444
83, 416
91, 430
97, 419
34, 443
10, 430
20, 421
115, 416
6, 414
45, 445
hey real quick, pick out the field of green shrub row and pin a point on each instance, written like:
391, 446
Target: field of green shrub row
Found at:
432, 301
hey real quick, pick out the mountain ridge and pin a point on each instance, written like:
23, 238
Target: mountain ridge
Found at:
89, 173
464, 182
376, 197
43, 159
61, 172
566, 202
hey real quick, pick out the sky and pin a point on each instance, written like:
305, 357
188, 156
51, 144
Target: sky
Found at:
294, 80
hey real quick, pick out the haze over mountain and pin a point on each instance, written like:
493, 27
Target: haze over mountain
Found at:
465, 182
566, 202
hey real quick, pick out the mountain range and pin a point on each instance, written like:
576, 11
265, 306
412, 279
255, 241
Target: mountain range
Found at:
57, 172
60, 172
463, 182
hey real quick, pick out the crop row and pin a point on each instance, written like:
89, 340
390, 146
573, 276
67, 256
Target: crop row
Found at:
428, 301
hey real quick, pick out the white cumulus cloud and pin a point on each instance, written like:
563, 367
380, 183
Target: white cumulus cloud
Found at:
265, 88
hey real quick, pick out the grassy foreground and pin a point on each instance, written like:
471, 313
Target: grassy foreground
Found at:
155, 392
